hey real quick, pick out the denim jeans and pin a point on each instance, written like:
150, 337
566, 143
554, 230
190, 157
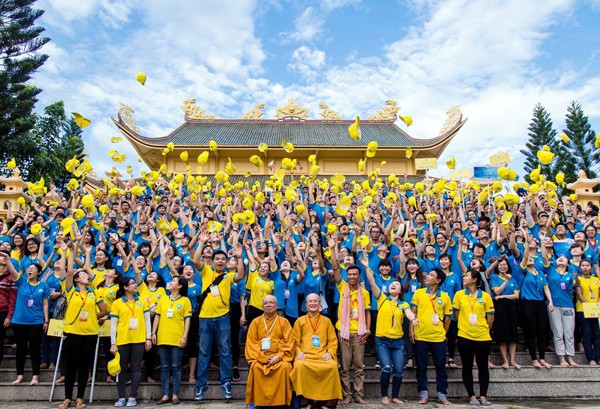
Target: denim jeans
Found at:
170, 360
591, 337
219, 330
438, 355
391, 356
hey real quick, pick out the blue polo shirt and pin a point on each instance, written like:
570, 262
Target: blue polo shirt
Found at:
29, 312
561, 286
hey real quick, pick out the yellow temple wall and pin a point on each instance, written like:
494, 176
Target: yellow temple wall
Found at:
331, 161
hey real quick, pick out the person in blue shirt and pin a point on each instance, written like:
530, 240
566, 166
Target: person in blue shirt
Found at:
534, 287
561, 281
505, 292
451, 285
411, 277
30, 319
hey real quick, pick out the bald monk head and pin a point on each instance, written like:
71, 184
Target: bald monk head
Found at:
313, 304
270, 306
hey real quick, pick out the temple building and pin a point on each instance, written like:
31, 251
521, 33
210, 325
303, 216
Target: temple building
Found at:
326, 138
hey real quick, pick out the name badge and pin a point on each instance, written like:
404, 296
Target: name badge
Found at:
52, 291
286, 294
265, 344
170, 313
83, 316
563, 286
133, 323
472, 319
214, 290
316, 341
119, 263
384, 289
413, 288
30, 303
592, 296
435, 318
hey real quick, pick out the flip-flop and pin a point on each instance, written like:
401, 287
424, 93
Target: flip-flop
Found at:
485, 402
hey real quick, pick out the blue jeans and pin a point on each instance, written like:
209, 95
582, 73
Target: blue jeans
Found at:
212, 329
170, 359
438, 355
391, 356
591, 337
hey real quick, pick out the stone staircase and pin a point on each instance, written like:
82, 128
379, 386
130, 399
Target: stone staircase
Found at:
505, 383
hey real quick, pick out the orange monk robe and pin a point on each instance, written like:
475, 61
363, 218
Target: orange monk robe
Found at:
269, 385
312, 377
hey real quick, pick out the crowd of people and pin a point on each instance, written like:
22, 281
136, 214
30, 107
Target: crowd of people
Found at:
309, 276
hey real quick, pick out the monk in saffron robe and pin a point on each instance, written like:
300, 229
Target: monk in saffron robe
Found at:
270, 352
315, 375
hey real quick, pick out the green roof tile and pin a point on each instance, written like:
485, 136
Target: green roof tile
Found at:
301, 134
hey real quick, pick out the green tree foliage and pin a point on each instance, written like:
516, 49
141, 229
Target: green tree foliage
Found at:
541, 133
54, 140
20, 42
581, 152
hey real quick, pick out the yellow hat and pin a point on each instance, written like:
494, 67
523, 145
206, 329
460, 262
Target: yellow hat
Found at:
300, 209
184, 156
103, 209
409, 153
78, 214
249, 216
354, 130
331, 228
545, 156
451, 163
141, 78
363, 240
406, 119
214, 227
11, 164
212, 145
36, 228
114, 365
263, 147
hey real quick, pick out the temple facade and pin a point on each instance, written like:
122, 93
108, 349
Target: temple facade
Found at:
326, 138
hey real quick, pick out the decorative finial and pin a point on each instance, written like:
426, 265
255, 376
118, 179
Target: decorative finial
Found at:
386, 114
454, 115
291, 110
126, 114
329, 114
191, 111
255, 113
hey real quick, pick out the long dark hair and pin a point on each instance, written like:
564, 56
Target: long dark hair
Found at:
183, 291
476, 275
419, 275
123, 282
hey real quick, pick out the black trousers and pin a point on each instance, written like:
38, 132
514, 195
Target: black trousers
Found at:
78, 354
480, 351
131, 357
28, 337
452, 335
535, 317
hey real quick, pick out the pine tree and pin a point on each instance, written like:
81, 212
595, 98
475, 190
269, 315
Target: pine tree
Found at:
20, 42
582, 153
541, 133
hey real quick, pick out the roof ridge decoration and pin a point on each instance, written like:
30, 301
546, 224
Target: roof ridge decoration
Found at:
454, 115
386, 114
254, 114
291, 109
191, 111
329, 114
126, 114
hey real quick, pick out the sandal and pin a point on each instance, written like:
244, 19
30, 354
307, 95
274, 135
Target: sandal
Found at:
451, 364
474, 402
485, 402
80, 403
409, 365
66, 404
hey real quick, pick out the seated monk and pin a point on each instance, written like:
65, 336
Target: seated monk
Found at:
269, 351
315, 375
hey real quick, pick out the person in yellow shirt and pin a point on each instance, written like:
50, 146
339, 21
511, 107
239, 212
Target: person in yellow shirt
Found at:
433, 309
260, 285
389, 341
107, 290
353, 325
474, 312
129, 335
214, 315
588, 290
170, 332
84, 309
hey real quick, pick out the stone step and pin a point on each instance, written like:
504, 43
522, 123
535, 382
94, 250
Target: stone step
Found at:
370, 360
499, 388
526, 372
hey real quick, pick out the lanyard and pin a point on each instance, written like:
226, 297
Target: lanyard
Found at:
593, 246
32, 290
272, 325
83, 299
394, 308
472, 304
431, 301
132, 309
314, 327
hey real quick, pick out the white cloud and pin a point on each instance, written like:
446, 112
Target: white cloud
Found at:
307, 61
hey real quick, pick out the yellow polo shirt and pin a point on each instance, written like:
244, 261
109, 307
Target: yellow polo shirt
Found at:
108, 294
97, 278
172, 320
151, 297
78, 306
390, 317
589, 290
428, 305
341, 286
216, 304
131, 327
259, 288
481, 306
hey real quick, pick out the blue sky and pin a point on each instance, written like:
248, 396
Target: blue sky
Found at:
496, 58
